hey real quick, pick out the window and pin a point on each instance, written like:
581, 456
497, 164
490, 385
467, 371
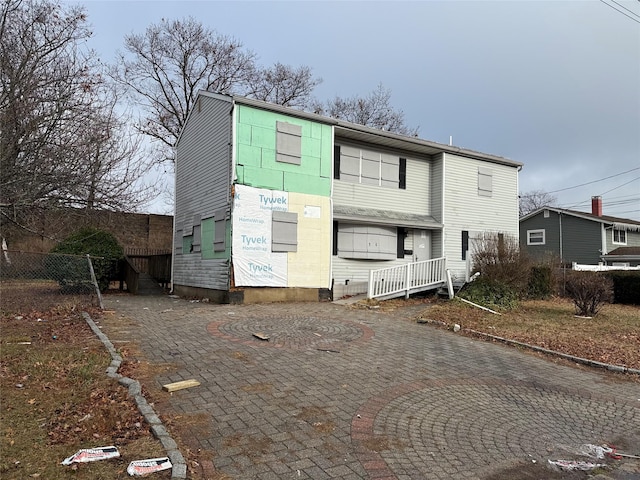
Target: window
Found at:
485, 182
288, 143
196, 239
187, 244
619, 236
535, 237
546, 213
368, 167
220, 231
367, 242
284, 231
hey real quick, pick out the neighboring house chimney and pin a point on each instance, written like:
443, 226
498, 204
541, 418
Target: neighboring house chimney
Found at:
596, 206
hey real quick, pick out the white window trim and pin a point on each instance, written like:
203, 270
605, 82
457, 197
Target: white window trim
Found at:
540, 230
613, 236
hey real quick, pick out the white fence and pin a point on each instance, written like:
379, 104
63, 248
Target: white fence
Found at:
408, 278
600, 267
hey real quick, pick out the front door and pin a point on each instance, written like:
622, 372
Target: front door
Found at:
421, 245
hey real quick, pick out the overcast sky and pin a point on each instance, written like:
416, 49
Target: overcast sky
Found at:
555, 85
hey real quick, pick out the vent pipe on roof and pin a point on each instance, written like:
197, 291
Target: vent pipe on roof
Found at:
450, 140
596, 206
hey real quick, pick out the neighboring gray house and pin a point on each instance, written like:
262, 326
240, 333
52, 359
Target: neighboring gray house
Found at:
585, 238
273, 203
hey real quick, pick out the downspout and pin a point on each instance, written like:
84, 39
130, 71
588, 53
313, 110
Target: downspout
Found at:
564, 270
230, 182
333, 164
560, 224
442, 204
173, 239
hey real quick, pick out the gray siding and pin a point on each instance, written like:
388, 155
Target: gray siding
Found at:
203, 175
581, 238
633, 240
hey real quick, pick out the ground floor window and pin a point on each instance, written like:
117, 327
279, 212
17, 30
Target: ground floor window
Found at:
536, 237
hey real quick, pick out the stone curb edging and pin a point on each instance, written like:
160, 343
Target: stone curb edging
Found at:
583, 361
179, 466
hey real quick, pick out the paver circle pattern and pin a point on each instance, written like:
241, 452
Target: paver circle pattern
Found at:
293, 332
469, 429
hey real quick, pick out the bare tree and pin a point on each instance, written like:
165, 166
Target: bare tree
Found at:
52, 102
373, 110
533, 200
164, 68
284, 85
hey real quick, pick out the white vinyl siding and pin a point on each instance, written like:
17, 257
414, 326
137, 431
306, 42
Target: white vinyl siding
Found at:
415, 198
464, 209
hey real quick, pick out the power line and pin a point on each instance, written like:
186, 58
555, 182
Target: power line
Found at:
595, 181
625, 8
626, 183
620, 11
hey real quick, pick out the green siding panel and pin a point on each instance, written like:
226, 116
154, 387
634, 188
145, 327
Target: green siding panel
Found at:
187, 243
294, 182
249, 155
263, 137
312, 147
243, 134
256, 153
208, 235
206, 232
326, 152
263, 178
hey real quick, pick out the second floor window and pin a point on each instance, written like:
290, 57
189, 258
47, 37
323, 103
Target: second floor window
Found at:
619, 236
368, 167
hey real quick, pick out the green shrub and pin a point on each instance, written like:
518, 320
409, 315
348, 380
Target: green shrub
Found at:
104, 250
540, 282
626, 287
490, 293
589, 291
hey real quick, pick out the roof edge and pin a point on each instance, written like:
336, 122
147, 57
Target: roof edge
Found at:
238, 99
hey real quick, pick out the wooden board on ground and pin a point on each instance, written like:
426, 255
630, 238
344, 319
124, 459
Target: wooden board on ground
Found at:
172, 387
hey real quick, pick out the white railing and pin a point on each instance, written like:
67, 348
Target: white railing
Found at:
407, 278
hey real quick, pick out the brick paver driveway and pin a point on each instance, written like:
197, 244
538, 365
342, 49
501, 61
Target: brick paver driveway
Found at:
338, 392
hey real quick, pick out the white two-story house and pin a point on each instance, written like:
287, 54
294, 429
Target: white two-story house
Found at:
274, 203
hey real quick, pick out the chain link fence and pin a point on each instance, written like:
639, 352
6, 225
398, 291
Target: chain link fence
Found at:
31, 277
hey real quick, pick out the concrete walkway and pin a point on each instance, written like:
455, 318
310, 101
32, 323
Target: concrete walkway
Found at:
339, 392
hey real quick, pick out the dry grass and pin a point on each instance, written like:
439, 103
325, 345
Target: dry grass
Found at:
56, 398
613, 336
